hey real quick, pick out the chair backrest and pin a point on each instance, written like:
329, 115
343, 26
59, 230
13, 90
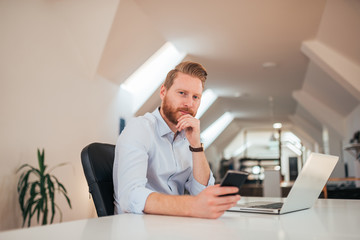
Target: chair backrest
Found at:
97, 160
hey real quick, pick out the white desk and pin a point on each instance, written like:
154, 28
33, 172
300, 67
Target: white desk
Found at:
328, 219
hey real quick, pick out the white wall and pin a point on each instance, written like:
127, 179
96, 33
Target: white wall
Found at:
50, 97
336, 148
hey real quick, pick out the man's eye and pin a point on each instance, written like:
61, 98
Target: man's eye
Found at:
181, 93
196, 98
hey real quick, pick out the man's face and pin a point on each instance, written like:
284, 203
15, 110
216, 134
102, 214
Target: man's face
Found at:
183, 97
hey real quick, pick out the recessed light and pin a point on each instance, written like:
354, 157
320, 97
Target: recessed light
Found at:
269, 64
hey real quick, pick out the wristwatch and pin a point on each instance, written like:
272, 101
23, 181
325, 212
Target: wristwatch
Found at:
199, 149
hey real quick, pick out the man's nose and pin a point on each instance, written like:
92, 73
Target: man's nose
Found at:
189, 102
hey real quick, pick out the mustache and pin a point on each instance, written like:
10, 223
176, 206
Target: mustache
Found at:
188, 110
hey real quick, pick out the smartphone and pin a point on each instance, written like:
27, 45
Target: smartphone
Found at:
234, 179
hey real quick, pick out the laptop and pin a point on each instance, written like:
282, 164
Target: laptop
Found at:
304, 192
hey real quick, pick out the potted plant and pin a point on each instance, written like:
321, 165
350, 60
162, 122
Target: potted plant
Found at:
36, 188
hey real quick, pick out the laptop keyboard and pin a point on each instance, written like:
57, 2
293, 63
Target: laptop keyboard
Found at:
271, 205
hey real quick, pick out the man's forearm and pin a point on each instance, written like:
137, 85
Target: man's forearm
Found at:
163, 204
201, 169
207, 204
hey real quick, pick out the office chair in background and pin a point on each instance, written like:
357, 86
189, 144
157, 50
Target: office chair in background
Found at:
97, 160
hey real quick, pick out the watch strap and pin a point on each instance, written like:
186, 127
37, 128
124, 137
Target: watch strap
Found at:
199, 149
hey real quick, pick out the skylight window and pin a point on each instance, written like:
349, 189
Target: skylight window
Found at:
293, 148
292, 142
215, 129
147, 78
207, 99
293, 139
241, 149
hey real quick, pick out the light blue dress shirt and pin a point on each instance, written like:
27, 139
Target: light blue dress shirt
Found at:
148, 159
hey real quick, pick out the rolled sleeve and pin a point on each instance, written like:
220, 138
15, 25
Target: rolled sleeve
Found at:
138, 199
194, 187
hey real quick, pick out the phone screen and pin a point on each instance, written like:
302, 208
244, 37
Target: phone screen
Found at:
234, 179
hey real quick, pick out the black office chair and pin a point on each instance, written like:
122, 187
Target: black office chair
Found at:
97, 160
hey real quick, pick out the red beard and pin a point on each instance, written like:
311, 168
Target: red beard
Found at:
171, 113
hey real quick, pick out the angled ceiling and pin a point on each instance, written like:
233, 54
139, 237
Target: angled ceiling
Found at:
234, 39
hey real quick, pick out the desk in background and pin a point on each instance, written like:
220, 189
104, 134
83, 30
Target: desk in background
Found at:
328, 219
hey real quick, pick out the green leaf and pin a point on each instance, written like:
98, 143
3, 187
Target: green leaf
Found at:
33, 211
33, 189
38, 207
32, 169
60, 186
62, 189
25, 213
58, 165
29, 205
23, 186
41, 158
45, 216
44, 196
22, 197
68, 200
51, 189
23, 166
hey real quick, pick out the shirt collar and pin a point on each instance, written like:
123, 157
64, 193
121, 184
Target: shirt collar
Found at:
162, 125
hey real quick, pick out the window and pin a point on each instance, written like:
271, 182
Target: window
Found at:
147, 78
207, 99
215, 129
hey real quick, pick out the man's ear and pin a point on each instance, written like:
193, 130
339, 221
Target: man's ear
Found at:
162, 92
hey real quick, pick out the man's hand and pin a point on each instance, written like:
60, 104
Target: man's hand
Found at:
191, 126
210, 204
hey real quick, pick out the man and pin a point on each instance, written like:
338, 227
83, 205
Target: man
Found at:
159, 155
